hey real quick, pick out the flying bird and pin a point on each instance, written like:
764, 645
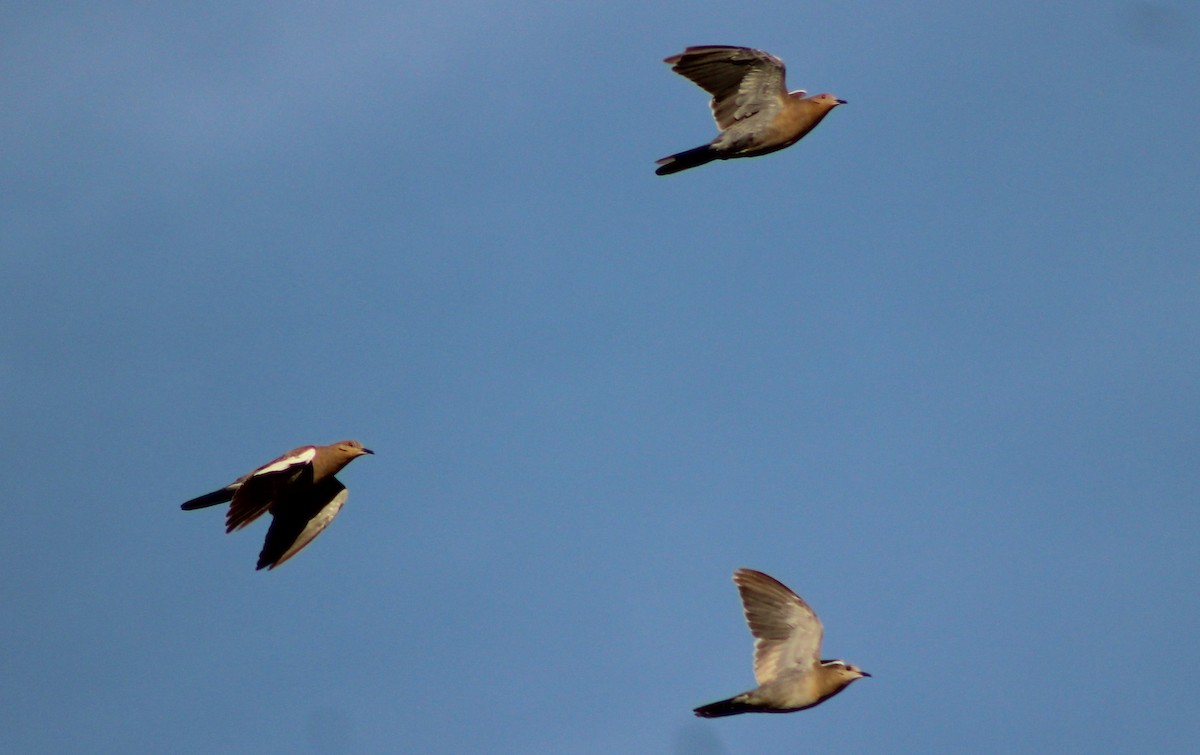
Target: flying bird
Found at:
787, 653
298, 488
750, 103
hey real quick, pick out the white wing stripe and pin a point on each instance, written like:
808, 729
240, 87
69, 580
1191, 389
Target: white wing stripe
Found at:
304, 457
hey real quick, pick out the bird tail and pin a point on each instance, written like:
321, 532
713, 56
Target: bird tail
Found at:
692, 158
730, 707
209, 499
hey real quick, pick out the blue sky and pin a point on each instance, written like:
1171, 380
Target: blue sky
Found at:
935, 368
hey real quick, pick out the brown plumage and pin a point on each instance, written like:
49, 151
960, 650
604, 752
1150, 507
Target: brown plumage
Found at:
750, 103
298, 488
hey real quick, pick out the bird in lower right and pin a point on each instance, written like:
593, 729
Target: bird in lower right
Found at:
750, 102
787, 653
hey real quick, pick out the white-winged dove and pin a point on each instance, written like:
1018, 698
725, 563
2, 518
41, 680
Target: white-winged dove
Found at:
298, 488
750, 102
787, 653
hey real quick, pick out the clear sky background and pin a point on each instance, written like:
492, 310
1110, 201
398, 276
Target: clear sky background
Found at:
936, 368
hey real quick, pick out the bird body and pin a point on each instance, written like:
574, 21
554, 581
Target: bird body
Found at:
787, 643
750, 103
299, 489
785, 696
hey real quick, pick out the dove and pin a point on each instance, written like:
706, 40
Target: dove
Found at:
787, 653
298, 488
754, 111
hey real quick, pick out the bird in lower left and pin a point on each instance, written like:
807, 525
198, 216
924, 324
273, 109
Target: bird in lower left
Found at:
300, 491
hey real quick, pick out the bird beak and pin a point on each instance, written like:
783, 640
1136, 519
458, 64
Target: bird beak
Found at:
841, 102
368, 451
864, 673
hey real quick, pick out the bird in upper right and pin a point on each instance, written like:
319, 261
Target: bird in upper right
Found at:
787, 653
750, 103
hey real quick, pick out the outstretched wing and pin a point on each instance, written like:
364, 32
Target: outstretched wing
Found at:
265, 485
742, 81
787, 633
300, 517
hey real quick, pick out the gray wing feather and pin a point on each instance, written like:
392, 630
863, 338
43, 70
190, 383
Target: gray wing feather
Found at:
787, 632
742, 81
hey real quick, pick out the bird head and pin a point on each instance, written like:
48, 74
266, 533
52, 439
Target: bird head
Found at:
845, 671
351, 449
828, 100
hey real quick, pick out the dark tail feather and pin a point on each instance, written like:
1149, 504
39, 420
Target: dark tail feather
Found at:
209, 499
692, 158
730, 707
